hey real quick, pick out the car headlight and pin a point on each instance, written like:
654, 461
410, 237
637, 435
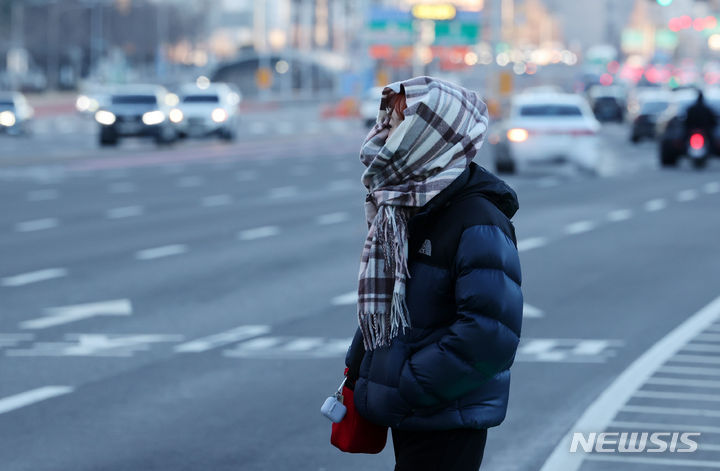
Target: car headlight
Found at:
219, 115
153, 117
7, 118
104, 117
517, 135
82, 103
175, 115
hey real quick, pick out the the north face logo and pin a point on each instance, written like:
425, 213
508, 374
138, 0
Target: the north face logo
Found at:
426, 248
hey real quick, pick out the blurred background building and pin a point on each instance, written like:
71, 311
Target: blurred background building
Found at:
300, 48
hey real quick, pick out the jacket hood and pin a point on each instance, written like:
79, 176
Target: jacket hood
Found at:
476, 181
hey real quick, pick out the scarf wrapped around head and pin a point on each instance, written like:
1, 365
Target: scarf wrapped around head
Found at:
443, 130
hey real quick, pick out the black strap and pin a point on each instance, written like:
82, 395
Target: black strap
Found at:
354, 358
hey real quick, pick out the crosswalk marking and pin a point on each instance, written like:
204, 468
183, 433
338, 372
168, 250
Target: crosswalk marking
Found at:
33, 396
33, 277
36, 225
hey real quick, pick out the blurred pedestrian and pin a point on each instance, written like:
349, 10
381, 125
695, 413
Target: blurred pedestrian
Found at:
439, 298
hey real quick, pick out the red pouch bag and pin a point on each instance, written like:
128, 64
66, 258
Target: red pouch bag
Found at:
354, 433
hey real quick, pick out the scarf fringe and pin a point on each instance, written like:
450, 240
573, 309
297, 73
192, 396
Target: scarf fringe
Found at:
379, 329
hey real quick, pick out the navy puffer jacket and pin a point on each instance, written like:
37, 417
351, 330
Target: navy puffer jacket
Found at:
451, 369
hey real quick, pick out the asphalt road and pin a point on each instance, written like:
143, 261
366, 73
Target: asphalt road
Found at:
189, 308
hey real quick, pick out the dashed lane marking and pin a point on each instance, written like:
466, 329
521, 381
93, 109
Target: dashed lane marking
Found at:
160, 252
579, 227
124, 212
657, 204
224, 338
66, 314
532, 243
95, 345
259, 233
33, 277
532, 312
216, 200
619, 215
36, 225
686, 195
12, 340
711, 188
345, 299
42, 195
332, 218
33, 396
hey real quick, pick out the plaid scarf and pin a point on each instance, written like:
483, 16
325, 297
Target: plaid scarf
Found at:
443, 130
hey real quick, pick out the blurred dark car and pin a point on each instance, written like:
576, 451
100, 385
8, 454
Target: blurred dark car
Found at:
137, 111
644, 119
673, 137
608, 103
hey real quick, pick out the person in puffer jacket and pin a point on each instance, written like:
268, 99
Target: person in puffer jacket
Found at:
439, 297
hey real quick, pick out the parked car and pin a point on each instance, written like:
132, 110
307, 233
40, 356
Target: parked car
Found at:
136, 111
547, 128
370, 105
676, 142
208, 111
644, 112
15, 113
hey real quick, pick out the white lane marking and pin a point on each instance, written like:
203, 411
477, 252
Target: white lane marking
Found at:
256, 344
579, 227
675, 463
532, 311
258, 128
33, 277
531, 243
600, 413
189, 182
675, 396
42, 195
65, 314
259, 233
332, 218
662, 426
690, 370
290, 348
97, 345
619, 215
655, 205
27, 398
11, 340
701, 347
712, 359
345, 299
124, 212
711, 188
567, 350
670, 411
224, 338
283, 192
708, 337
216, 200
246, 175
284, 127
699, 383
343, 185
686, 195
158, 252
121, 187
36, 225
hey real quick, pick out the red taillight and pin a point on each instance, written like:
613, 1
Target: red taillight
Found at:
697, 141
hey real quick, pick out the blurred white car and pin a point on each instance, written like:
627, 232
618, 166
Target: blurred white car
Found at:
547, 128
15, 113
212, 110
370, 105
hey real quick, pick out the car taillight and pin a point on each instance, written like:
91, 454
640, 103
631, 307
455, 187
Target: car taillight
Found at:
697, 141
517, 135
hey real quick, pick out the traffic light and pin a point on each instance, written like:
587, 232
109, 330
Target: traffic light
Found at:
664, 3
